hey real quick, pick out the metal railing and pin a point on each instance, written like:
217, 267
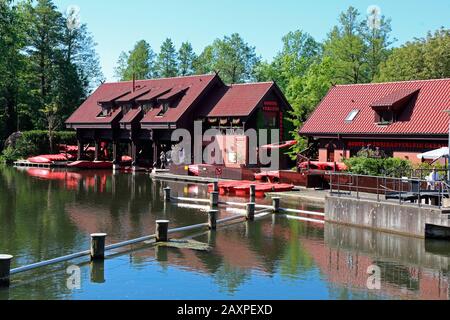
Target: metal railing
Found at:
413, 191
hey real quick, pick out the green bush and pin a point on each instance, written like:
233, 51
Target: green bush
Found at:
395, 167
36, 142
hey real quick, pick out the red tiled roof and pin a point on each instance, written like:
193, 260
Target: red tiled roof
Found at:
424, 115
134, 95
240, 99
130, 115
172, 93
154, 93
88, 112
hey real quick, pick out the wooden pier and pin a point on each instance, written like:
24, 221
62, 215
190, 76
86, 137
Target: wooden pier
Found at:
28, 164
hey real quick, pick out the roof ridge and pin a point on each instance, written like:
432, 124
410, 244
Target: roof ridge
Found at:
250, 83
156, 79
389, 82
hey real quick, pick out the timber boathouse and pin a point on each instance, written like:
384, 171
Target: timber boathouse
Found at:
139, 117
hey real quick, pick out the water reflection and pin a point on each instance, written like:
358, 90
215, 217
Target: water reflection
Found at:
45, 215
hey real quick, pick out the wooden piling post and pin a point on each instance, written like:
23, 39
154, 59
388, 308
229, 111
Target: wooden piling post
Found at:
276, 204
212, 219
250, 214
167, 192
5, 269
98, 246
214, 199
162, 228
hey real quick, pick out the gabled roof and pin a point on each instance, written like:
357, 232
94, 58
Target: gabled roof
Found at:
239, 99
130, 115
87, 113
133, 95
395, 100
422, 115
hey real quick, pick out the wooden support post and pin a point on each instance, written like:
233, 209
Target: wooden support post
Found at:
116, 160
276, 204
214, 199
97, 150
98, 246
212, 219
133, 154
80, 150
5, 269
167, 192
250, 214
162, 228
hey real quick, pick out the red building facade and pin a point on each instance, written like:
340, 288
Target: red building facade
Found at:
402, 119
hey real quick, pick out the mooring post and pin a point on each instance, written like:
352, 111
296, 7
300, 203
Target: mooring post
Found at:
250, 214
214, 199
98, 246
276, 204
212, 219
252, 191
5, 269
162, 228
216, 186
167, 192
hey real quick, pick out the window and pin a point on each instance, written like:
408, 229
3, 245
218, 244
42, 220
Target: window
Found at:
165, 108
126, 108
106, 111
384, 117
352, 115
146, 107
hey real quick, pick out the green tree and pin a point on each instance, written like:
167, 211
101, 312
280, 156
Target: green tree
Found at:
45, 27
11, 65
204, 62
166, 63
139, 62
299, 52
186, 59
421, 59
232, 57
347, 49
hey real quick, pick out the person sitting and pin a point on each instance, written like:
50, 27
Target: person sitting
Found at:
433, 180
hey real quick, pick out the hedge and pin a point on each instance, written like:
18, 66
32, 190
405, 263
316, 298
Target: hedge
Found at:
395, 167
36, 142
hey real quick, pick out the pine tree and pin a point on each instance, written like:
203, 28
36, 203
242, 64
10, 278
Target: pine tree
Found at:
166, 64
186, 58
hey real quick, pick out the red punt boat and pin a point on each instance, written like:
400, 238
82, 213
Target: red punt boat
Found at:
91, 165
48, 158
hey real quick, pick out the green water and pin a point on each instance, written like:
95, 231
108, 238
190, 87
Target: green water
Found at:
45, 214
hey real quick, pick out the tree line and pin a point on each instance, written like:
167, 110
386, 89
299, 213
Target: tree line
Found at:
358, 49
48, 66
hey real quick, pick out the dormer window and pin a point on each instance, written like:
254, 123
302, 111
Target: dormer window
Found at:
148, 106
384, 117
352, 115
126, 108
106, 111
165, 108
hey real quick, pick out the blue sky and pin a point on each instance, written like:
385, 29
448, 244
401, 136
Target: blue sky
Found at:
118, 25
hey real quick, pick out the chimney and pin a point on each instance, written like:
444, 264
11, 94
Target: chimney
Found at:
134, 82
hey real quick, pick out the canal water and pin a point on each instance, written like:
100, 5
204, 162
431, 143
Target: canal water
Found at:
46, 214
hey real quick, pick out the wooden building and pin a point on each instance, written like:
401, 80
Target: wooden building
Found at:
401, 119
139, 117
